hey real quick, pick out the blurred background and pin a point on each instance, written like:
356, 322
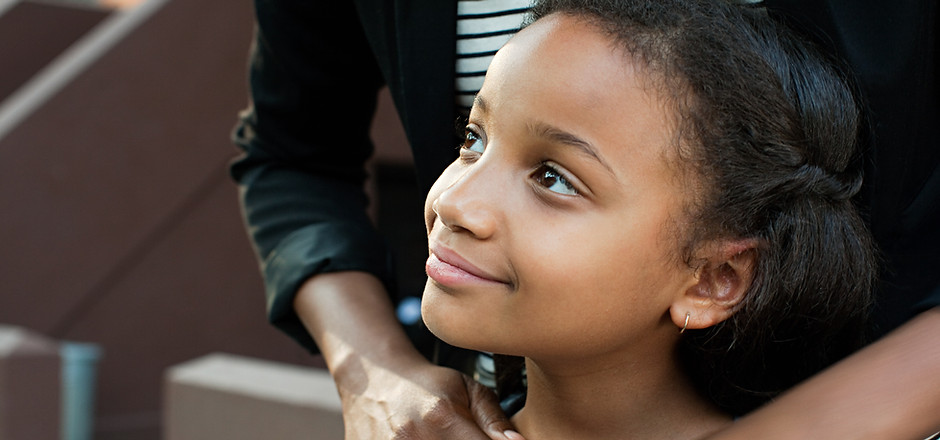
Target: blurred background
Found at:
119, 225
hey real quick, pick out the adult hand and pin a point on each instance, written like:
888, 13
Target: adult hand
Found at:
419, 401
388, 389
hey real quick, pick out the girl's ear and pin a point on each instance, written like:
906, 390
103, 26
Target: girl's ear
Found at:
718, 286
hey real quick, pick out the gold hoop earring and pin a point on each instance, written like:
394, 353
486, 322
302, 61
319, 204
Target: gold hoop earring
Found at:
687, 316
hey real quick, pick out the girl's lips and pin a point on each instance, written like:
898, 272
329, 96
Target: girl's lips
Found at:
450, 269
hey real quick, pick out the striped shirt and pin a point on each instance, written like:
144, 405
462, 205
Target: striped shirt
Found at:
483, 26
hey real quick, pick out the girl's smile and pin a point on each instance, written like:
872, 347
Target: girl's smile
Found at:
450, 270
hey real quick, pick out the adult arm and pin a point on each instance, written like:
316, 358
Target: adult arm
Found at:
889, 390
305, 140
387, 388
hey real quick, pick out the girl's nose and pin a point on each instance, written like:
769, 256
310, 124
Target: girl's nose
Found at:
468, 205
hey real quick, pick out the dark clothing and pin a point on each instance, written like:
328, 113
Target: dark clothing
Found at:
317, 66
314, 79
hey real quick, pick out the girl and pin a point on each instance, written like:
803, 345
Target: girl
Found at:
652, 207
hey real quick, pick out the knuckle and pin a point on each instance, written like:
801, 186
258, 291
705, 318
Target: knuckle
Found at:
437, 417
441, 414
406, 431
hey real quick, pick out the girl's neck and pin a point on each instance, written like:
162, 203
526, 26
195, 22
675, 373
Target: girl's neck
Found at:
638, 399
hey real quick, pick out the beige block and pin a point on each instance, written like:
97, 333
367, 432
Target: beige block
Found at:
221, 396
30, 382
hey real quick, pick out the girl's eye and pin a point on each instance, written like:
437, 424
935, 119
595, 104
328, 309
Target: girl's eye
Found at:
472, 142
553, 181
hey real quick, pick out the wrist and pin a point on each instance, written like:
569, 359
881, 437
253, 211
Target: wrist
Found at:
352, 320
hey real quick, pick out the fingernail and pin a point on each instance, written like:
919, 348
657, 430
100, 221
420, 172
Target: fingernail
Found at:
513, 435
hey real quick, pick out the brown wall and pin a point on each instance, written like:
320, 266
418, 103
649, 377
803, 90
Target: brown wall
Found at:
120, 225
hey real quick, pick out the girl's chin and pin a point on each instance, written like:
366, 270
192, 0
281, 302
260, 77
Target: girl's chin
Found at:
461, 324
445, 331
450, 332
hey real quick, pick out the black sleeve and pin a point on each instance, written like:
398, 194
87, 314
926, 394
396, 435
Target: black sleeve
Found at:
305, 138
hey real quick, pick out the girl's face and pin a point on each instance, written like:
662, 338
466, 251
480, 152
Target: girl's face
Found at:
553, 235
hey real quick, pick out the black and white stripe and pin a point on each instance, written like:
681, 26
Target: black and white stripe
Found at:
483, 26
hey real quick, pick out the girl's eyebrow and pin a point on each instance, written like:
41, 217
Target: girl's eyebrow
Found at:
479, 103
559, 136
555, 135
